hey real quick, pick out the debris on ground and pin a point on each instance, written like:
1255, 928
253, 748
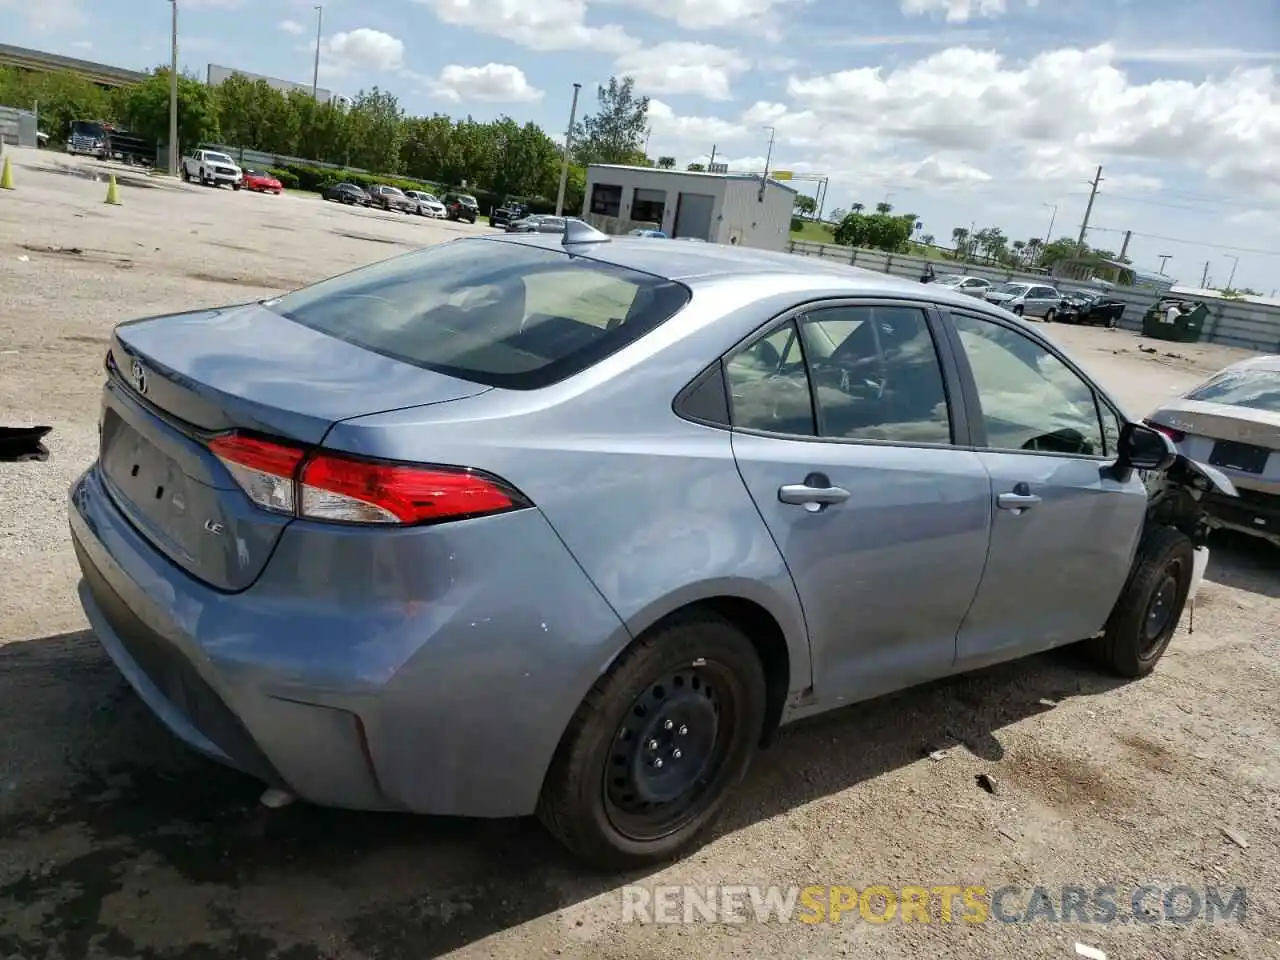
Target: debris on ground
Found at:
1092, 953
1145, 349
1007, 834
987, 782
1046, 702
1235, 838
20, 444
938, 755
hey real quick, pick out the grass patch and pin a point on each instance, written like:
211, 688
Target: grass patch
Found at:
814, 232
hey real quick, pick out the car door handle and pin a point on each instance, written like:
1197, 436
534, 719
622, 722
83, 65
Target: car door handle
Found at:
805, 495
1020, 499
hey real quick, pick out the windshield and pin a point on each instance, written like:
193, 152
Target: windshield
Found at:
487, 311
217, 157
430, 198
88, 128
1014, 289
1255, 389
392, 190
949, 281
466, 198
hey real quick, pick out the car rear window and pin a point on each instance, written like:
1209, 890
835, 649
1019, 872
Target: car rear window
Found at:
502, 314
1255, 389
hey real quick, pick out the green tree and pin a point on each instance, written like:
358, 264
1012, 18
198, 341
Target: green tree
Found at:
60, 96
806, 206
697, 168
878, 231
145, 109
883, 207
615, 132
374, 131
666, 163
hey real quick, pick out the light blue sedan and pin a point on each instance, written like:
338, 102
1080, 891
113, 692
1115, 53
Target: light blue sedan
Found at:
571, 525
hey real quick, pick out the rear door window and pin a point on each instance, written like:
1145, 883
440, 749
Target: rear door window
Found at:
492, 312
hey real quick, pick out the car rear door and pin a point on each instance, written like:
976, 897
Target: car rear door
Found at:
857, 459
1065, 528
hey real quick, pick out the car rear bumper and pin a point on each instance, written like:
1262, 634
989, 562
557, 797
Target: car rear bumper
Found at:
436, 675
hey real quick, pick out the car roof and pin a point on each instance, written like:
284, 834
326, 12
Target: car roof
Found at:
709, 262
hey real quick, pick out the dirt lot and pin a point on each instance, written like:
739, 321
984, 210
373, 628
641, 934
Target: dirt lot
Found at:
116, 842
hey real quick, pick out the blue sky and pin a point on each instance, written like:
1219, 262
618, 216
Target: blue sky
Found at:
988, 112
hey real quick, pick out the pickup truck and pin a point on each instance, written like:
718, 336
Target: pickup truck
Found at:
212, 168
508, 213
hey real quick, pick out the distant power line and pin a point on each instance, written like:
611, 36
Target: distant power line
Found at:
1193, 243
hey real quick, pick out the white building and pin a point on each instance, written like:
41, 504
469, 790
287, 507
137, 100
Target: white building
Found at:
218, 73
717, 207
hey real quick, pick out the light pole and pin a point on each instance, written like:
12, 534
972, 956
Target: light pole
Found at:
1164, 258
1235, 262
568, 142
315, 75
173, 92
1048, 237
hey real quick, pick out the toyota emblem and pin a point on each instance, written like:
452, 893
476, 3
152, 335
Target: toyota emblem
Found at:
138, 377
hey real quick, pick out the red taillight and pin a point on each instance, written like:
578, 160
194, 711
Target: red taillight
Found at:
325, 486
1177, 436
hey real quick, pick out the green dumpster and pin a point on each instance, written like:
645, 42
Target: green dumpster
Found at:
1175, 319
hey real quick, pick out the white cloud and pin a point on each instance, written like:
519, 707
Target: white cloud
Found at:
1196, 55
706, 14
1072, 103
47, 16
685, 131
210, 5
682, 67
366, 48
492, 83
83, 44
292, 26
543, 25
959, 11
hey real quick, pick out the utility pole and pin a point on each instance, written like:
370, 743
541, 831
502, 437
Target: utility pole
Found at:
822, 196
712, 161
568, 142
174, 151
1053, 207
1084, 227
764, 177
648, 131
1124, 247
1235, 262
1164, 258
315, 74
1204, 277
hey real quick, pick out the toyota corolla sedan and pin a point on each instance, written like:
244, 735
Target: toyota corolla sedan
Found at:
1232, 422
572, 524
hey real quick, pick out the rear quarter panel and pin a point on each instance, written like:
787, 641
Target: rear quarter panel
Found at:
651, 506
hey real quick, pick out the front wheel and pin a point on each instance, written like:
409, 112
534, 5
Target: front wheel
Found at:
1018, 311
235, 187
1048, 317
1146, 616
652, 752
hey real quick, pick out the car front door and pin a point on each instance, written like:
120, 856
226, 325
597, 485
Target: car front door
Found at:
1041, 300
1064, 528
846, 438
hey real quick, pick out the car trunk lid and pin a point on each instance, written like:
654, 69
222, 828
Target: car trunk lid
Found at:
179, 380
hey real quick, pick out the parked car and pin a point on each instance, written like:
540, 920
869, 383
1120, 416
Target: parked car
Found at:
347, 193
428, 205
538, 223
258, 181
461, 206
974, 286
213, 169
1232, 422
1026, 299
496, 528
1091, 308
507, 213
647, 232
391, 198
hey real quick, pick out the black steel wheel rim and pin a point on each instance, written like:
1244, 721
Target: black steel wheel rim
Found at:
1161, 610
668, 757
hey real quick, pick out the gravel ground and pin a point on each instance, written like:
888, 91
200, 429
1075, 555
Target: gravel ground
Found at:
116, 842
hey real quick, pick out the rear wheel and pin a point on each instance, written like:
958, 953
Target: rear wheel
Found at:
650, 755
1146, 616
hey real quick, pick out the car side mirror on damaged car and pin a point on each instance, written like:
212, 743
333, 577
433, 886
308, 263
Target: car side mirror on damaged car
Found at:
1145, 448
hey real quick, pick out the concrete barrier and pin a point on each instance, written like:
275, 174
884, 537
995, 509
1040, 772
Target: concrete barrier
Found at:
1234, 323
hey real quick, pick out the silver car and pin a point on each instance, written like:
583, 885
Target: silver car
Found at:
1232, 422
1027, 299
973, 286
571, 525
427, 204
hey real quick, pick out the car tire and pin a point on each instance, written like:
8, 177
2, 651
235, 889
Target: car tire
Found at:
695, 681
1017, 311
1144, 619
235, 187
186, 175
1049, 315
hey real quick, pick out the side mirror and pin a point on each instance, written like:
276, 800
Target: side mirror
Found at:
1144, 448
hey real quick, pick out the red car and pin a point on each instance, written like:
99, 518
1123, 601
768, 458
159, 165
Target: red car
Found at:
257, 181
